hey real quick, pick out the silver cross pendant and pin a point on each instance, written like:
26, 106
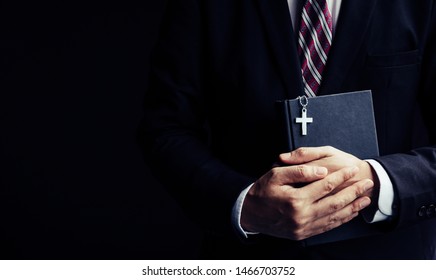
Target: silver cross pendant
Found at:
304, 120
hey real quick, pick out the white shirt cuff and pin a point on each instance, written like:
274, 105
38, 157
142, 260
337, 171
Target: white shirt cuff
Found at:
386, 194
237, 210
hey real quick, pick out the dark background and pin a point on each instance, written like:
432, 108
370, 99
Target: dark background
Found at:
73, 182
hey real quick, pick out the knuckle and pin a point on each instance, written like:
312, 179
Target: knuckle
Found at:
348, 174
333, 218
356, 207
329, 186
360, 188
336, 222
301, 171
300, 152
359, 191
336, 206
353, 210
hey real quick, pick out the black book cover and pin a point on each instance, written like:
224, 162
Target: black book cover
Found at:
344, 121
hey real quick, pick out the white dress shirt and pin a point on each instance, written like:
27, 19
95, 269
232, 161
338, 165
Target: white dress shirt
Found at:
386, 195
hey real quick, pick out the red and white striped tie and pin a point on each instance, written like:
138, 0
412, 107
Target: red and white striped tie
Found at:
314, 42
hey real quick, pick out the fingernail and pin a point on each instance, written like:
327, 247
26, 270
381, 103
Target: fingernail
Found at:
365, 203
368, 185
321, 171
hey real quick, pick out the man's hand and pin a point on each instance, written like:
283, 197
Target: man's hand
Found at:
275, 207
334, 160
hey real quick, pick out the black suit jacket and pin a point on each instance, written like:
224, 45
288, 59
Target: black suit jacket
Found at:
218, 69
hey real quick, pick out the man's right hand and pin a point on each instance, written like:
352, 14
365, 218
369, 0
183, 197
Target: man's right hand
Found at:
274, 206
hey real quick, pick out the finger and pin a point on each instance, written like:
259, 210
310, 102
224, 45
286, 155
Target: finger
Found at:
351, 195
321, 188
341, 217
306, 154
289, 175
336, 219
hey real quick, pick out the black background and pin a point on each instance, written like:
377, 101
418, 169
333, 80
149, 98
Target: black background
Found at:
73, 182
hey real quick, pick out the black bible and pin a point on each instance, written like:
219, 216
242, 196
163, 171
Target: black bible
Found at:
344, 121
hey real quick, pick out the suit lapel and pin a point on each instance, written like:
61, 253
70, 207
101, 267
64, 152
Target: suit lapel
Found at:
352, 24
278, 27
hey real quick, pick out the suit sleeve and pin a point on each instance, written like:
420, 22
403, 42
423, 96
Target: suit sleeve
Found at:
414, 174
176, 122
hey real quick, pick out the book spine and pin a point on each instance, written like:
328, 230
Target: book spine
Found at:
288, 120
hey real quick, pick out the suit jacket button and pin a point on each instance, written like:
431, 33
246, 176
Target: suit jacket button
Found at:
431, 211
422, 211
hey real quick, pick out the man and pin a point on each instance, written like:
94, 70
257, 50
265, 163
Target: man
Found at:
211, 122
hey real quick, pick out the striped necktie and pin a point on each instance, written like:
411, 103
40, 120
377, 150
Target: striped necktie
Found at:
314, 42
